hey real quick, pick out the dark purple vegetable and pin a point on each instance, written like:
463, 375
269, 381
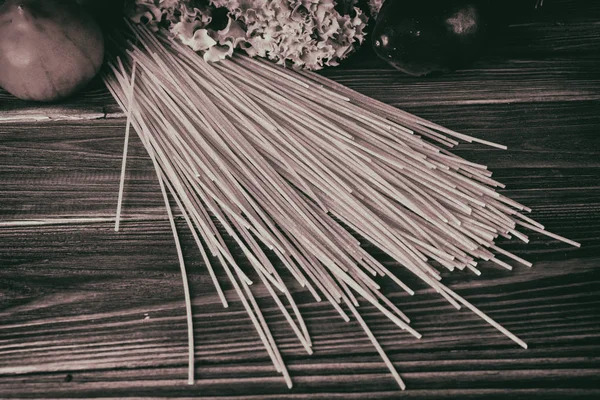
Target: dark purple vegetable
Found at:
423, 37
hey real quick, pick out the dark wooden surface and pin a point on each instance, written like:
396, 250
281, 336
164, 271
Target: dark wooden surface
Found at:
87, 312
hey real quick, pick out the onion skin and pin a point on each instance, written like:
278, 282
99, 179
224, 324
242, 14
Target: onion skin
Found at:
49, 49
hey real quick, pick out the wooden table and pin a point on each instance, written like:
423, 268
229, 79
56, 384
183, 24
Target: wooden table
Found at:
87, 312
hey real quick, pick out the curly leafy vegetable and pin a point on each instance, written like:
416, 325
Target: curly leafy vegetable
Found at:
307, 33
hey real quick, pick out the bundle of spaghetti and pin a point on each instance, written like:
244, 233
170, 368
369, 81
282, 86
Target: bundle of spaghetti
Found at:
289, 162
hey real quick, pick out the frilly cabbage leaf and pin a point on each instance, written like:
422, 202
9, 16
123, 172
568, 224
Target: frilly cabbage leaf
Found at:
305, 33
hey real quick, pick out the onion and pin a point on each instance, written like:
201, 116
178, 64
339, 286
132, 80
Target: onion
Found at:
48, 48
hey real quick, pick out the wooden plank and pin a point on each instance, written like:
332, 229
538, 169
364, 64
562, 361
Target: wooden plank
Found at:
71, 169
108, 341
530, 62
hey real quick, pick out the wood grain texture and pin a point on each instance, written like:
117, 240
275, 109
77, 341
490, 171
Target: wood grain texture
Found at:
89, 313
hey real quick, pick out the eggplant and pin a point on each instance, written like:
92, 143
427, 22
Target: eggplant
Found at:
432, 36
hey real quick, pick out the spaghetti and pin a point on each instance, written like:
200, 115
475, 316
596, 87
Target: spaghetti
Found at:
287, 161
